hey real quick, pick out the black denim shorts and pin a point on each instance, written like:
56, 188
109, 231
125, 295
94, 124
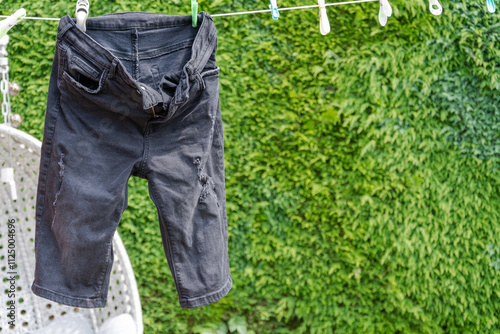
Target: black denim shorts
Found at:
136, 94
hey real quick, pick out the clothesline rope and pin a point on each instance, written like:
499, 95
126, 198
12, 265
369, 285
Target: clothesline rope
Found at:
294, 8
236, 13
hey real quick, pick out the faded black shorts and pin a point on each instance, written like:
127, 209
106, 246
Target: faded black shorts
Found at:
136, 94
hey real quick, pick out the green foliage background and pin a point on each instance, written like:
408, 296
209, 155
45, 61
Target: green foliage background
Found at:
362, 167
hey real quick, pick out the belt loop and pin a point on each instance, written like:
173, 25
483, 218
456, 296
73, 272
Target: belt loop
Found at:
112, 69
65, 28
204, 45
200, 80
193, 74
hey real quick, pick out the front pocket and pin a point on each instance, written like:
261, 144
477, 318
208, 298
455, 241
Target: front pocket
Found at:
84, 76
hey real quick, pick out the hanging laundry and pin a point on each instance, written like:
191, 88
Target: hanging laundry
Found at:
136, 94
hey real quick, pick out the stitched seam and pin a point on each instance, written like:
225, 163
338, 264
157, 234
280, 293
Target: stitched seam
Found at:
72, 81
170, 244
189, 300
166, 50
89, 57
66, 296
43, 207
84, 67
128, 27
142, 169
211, 72
105, 270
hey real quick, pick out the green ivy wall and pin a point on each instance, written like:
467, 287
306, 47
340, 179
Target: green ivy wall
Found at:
362, 167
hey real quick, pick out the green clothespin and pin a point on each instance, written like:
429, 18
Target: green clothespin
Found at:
194, 12
11, 21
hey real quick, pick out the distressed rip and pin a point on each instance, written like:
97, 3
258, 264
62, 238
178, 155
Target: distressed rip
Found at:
206, 181
61, 176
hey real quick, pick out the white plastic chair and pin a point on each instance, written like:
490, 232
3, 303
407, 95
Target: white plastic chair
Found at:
22, 151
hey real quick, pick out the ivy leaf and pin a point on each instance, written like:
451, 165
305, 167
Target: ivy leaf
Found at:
237, 324
211, 328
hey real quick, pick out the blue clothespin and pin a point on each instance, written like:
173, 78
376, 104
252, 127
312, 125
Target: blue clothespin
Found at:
274, 10
490, 4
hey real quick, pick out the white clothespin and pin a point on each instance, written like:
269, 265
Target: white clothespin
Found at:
324, 24
385, 12
8, 177
435, 7
81, 14
11, 21
274, 10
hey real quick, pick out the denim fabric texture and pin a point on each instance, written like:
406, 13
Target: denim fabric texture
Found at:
136, 94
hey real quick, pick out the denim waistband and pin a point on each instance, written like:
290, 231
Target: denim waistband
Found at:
202, 48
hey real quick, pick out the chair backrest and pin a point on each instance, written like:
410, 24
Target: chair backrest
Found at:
22, 151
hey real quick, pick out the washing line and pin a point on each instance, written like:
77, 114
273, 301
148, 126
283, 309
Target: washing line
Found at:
236, 13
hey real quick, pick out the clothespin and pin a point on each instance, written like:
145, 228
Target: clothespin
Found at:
324, 24
274, 10
81, 13
490, 4
11, 21
194, 12
435, 7
385, 12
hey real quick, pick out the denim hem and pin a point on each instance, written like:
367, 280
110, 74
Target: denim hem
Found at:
207, 299
67, 300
